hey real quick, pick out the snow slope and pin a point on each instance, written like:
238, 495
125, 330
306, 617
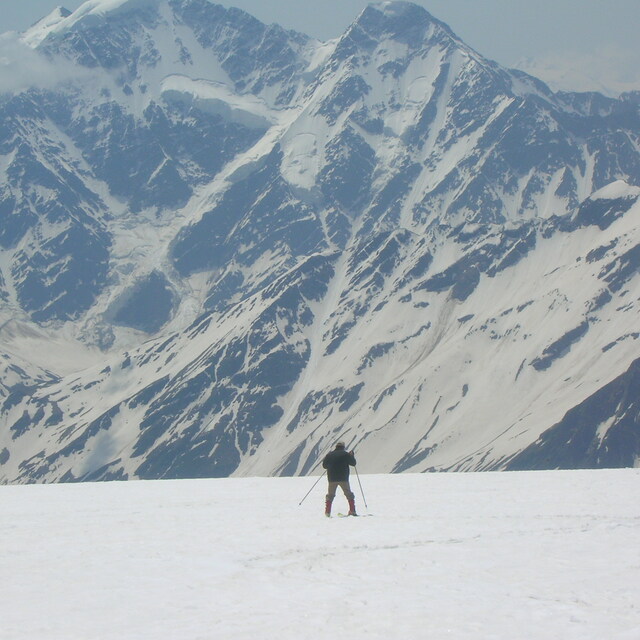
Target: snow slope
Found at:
494, 555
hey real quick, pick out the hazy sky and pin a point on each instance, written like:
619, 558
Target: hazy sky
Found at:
595, 38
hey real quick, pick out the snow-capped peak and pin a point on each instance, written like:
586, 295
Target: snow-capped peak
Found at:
401, 27
38, 31
59, 13
401, 20
103, 7
62, 19
395, 8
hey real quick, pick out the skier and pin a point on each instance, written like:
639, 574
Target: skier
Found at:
337, 464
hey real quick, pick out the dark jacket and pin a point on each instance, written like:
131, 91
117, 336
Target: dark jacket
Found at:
337, 465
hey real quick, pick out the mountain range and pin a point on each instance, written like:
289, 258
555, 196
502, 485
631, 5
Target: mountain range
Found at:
225, 245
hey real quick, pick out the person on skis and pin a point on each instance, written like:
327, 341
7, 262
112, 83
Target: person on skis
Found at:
337, 464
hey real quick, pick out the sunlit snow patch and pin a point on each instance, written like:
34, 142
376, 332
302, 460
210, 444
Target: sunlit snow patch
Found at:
217, 99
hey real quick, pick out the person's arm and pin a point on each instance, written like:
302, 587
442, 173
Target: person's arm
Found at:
352, 460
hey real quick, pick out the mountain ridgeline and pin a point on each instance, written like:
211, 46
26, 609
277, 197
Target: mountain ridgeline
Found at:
224, 245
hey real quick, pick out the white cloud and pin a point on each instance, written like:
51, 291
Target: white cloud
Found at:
22, 68
610, 70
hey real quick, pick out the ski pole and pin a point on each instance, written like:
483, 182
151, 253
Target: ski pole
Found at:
361, 491
312, 488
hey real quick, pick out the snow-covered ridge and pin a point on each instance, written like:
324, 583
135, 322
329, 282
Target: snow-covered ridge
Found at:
61, 19
616, 190
37, 32
88, 13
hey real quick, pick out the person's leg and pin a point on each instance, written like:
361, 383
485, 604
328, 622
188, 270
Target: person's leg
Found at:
331, 494
350, 496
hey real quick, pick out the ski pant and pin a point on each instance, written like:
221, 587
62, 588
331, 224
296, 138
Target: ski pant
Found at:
346, 489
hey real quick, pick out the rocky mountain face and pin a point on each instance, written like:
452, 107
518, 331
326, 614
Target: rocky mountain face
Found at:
223, 245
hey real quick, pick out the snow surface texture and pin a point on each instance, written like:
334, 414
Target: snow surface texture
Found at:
530, 555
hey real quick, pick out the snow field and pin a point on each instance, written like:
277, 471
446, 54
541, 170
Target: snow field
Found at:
493, 555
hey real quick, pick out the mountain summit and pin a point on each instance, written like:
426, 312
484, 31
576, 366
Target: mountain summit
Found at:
223, 245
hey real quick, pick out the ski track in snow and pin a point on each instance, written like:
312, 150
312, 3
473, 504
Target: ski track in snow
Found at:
494, 555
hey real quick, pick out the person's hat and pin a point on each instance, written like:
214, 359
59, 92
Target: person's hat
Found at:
340, 445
